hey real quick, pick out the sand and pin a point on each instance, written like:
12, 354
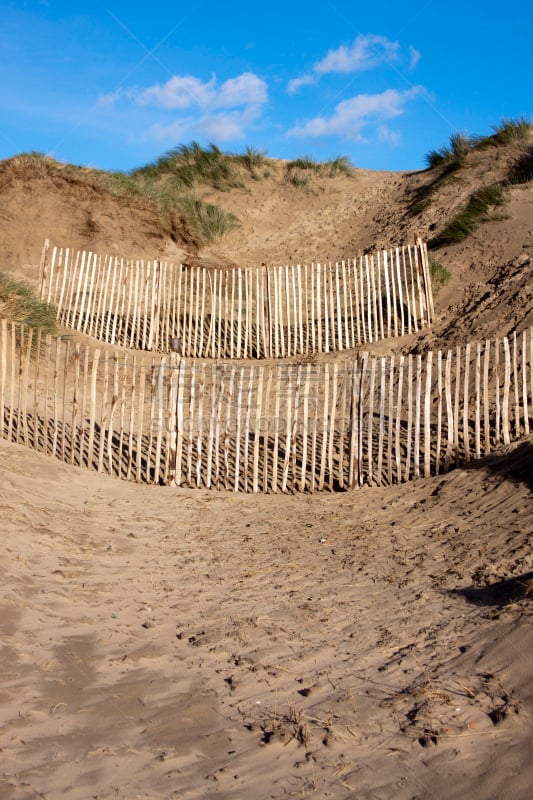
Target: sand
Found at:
164, 643
375, 644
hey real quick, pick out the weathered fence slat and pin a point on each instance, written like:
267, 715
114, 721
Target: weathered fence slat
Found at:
381, 432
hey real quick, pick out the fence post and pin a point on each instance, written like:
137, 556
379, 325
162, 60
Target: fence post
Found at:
43, 271
180, 400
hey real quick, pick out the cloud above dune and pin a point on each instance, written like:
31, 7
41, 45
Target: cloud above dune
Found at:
187, 91
186, 106
365, 53
351, 116
221, 111
224, 126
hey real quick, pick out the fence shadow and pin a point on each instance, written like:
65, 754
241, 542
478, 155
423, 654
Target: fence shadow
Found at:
502, 593
516, 466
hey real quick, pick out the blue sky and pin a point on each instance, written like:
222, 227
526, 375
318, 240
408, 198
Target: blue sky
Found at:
114, 85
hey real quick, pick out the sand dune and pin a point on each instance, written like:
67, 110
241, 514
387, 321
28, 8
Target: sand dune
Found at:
163, 642
369, 644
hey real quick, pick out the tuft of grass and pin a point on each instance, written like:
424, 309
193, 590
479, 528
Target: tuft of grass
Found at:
452, 156
420, 205
19, 302
448, 160
475, 212
304, 162
252, 160
509, 131
208, 221
297, 179
299, 171
512, 130
190, 165
440, 276
339, 165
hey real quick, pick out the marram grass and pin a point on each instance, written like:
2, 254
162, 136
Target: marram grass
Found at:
19, 302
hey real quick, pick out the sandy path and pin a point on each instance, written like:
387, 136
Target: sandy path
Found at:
181, 644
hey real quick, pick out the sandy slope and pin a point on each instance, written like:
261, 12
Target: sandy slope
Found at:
330, 219
376, 644
373, 644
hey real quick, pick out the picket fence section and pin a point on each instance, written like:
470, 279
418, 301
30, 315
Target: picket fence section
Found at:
265, 312
263, 428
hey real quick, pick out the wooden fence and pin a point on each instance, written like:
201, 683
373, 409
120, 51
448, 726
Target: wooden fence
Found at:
238, 313
263, 428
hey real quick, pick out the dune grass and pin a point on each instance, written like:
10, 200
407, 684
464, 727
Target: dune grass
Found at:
208, 221
475, 212
451, 156
252, 160
191, 165
447, 160
508, 131
440, 276
170, 184
299, 171
19, 302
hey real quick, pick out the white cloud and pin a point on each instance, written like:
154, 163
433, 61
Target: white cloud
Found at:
351, 116
110, 98
246, 89
178, 92
366, 52
187, 106
228, 125
177, 130
295, 84
186, 91
223, 127
387, 136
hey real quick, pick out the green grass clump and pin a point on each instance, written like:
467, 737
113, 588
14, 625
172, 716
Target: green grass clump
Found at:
297, 179
19, 302
420, 205
340, 165
452, 156
304, 162
440, 276
447, 160
512, 130
192, 164
252, 160
299, 170
208, 221
509, 131
475, 212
